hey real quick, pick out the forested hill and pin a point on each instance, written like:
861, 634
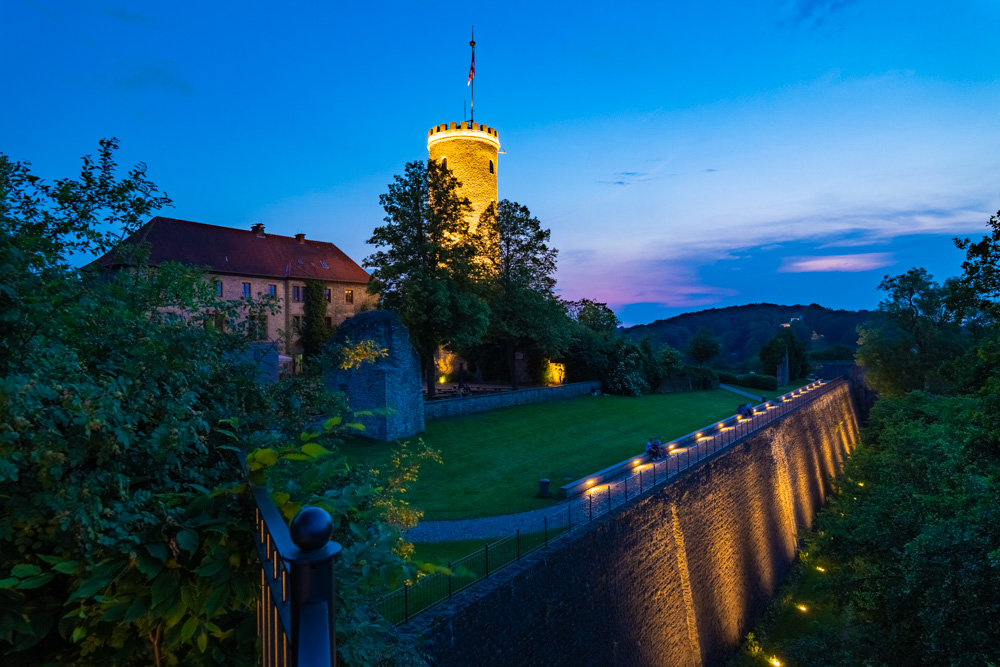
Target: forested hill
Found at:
742, 330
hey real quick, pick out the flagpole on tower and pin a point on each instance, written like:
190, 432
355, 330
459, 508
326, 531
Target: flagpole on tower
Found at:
472, 76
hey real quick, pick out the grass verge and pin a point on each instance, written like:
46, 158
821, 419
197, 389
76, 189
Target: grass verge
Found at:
492, 461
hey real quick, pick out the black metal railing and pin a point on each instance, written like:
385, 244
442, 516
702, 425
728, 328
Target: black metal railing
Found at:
414, 597
296, 611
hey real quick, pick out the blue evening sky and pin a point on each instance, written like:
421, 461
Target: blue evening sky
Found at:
685, 155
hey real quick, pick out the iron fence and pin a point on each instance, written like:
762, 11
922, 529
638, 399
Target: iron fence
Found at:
296, 610
414, 597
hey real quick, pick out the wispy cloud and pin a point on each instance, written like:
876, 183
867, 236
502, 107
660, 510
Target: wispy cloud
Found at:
860, 262
126, 15
810, 13
629, 177
160, 75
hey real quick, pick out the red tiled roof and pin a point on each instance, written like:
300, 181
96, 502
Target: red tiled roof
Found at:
243, 252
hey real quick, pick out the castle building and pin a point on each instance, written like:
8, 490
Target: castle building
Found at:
252, 263
470, 150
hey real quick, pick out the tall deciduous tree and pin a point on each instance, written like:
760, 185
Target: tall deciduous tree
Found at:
982, 268
315, 331
773, 354
905, 342
425, 268
703, 346
524, 313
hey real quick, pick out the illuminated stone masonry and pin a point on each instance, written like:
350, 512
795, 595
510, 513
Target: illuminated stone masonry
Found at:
470, 151
676, 576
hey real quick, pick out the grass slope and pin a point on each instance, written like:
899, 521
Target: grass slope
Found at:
493, 460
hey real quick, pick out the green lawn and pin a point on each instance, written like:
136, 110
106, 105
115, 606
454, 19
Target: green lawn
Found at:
493, 460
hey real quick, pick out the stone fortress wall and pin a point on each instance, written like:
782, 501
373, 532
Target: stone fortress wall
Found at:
675, 578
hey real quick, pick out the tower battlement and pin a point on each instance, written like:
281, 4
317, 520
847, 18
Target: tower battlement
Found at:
470, 151
464, 130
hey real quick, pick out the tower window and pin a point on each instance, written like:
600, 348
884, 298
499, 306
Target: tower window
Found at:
491, 167
444, 162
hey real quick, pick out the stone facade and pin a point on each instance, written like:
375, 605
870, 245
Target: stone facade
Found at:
340, 307
677, 577
391, 386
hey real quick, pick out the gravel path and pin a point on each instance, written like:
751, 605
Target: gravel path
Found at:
727, 387
507, 524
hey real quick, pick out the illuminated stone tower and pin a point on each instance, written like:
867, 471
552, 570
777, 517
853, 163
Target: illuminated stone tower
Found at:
470, 151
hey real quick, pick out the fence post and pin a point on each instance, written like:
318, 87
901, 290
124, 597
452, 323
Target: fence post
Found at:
626, 489
609, 497
312, 598
449, 579
486, 548
640, 482
569, 518
406, 602
546, 531
591, 507
654, 473
519, 544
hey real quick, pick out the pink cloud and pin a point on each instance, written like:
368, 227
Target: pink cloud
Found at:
860, 262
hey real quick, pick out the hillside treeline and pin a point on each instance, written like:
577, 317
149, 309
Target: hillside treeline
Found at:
743, 330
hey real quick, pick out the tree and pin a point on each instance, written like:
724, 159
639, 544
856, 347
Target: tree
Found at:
671, 362
125, 523
981, 268
911, 334
315, 331
426, 267
524, 313
593, 315
703, 346
773, 354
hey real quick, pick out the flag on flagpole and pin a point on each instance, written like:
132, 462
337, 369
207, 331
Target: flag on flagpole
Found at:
472, 69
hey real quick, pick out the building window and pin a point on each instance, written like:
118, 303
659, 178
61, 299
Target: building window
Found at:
296, 323
298, 294
329, 322
245, 291
491, 166
328, 293
348, 296
218, 288
272, 290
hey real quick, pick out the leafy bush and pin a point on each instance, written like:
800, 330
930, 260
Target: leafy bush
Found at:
758, 381
125, 524
701, 378
728, 378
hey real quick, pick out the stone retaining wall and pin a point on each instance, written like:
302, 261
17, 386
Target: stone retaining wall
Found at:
454, 407
677, 577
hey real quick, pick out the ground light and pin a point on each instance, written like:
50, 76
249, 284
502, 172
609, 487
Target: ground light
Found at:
802, 607
775, 662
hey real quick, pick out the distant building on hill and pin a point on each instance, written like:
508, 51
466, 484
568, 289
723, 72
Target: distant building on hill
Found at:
249, 263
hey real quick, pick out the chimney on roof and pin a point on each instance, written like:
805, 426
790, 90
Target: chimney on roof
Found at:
258, 229
301, 238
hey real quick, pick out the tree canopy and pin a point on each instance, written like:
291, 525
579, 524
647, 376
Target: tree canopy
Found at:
703, 346
125, 521
517, 285
773, 354
425, 266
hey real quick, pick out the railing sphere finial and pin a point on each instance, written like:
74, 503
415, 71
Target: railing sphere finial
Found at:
311, 528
